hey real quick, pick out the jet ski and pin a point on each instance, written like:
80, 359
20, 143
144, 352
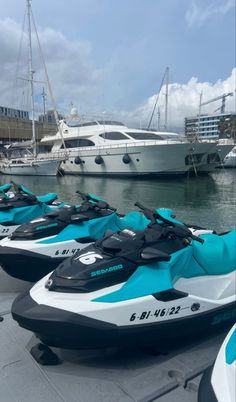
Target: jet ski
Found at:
18, 205
4, 190
149, 286
218, 384
36, 248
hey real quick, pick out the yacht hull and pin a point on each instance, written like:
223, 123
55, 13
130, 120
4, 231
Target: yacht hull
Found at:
223, 150
230, 159
159, 160
41, 168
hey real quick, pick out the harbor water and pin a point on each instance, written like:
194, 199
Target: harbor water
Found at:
208, 201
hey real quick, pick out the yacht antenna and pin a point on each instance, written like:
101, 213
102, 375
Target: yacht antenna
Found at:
199, 115
158, 119
44, 103
166, 96
166, 73
31, 77
48, 82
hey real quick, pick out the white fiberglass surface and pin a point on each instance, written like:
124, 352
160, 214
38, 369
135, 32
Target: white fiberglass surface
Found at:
213, 287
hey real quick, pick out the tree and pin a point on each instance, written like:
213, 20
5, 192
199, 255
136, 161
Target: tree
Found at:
227, 127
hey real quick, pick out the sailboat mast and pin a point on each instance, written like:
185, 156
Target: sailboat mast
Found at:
31, 75
166, 97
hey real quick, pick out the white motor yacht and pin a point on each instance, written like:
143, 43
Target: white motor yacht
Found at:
230, 159
111, 148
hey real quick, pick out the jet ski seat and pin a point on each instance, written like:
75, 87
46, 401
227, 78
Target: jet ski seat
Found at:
47, 198
217, 255
134, 220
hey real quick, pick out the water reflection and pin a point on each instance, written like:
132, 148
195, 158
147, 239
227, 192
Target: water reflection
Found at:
207, 201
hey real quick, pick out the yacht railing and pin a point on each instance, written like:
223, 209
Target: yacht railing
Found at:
117, 146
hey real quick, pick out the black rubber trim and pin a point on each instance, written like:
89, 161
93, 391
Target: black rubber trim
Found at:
168, 295
206, 392
26, 265
61, 328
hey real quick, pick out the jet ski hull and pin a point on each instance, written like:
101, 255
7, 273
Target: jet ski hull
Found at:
60, 328
206, 392
26, 265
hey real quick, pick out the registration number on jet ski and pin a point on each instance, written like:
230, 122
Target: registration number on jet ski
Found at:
158, 313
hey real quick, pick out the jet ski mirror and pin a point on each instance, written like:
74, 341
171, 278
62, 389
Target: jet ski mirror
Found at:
150, 253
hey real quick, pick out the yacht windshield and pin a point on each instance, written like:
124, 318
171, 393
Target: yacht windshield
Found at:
76, 123
110, 123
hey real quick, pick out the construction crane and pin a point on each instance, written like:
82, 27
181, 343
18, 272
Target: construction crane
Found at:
222, 108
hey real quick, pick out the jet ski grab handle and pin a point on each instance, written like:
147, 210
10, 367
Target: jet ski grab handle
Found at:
177, 229
98, 203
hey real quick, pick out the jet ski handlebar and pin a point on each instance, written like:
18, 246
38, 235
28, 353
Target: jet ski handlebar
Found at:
20, 190
150, 214
179, 230
153, 215
100, 204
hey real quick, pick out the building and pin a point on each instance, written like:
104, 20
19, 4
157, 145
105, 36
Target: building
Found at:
211, 125
14, 113
15, 125
49, 117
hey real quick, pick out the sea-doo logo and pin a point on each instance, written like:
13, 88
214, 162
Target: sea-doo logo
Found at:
106, 270
89, 258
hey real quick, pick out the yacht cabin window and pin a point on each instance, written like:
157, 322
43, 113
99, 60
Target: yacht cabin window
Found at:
114, 135
77, 143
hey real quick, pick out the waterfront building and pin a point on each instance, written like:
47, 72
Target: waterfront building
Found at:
14, 113
211, 126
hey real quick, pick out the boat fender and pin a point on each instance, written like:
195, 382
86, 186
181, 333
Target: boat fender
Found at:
99, 160
126, 159
78, 160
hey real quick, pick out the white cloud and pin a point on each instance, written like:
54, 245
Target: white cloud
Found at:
72, 73
198, 14
184, 102
75, 77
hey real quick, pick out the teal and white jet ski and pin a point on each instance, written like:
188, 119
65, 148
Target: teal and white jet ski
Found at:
218, 383
36, 248
19, 205
155, 285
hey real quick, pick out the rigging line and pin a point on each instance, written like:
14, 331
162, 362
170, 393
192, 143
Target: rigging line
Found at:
157, 98
14, 88
48, 83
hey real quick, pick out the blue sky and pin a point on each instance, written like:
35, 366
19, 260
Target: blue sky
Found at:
115, 52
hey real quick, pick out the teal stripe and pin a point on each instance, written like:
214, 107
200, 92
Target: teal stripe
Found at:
230, 350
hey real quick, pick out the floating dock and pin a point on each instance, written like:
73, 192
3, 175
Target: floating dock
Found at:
110, 375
